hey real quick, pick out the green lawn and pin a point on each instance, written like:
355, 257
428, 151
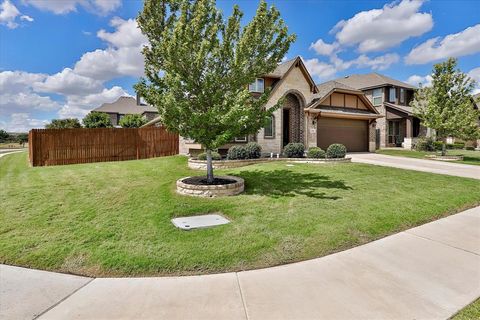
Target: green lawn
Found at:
470, 312
114, 218
469, 156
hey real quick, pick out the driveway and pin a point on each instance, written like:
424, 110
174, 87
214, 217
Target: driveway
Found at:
428, 272
440, 167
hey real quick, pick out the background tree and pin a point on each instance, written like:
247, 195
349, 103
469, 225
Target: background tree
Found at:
63, 124
4, 136
446, 106
22, 138
97, 120
132, 121
198, 67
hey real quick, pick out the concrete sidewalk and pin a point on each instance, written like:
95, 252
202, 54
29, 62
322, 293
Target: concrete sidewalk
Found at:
440, 167
428, 272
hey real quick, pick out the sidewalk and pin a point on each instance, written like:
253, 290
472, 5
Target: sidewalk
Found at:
428, 272
440, 167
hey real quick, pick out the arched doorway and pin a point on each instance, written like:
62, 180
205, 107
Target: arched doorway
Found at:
292, 124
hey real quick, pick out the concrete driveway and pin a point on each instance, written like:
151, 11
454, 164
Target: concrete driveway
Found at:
440, 167
428, 272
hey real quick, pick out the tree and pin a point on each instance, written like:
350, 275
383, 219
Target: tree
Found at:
63, 123
97, 120
4, 136
22, 138
132, 121
446, 106
198, 67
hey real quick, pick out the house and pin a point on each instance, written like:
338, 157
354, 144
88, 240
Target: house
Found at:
315, 115
391, 98
127, 105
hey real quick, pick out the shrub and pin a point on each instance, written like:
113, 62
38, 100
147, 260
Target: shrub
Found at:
215, 156
427, 144
132, 121
294, 150
97, 120
315, 152
459, 145
254, 150
471, 148
336, 150
437, 145
237, 153
449, 145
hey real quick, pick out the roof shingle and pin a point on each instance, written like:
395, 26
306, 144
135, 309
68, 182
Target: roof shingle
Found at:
125, 105
371, 80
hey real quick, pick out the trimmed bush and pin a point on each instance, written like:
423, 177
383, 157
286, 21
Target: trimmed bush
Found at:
427, 144
459, 145
315, 152
294, 150
336, 150
215, 156
437, 145
237, 153
254, 151
471, 148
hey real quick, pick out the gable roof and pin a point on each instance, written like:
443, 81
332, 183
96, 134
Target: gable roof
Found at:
125, 105
327, 88
282, 70
371, 80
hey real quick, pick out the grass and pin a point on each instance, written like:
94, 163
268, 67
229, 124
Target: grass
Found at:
472, 311
469, 156
113, 219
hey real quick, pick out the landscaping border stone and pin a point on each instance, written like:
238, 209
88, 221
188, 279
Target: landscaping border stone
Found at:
228, 164
208, 191
444, 158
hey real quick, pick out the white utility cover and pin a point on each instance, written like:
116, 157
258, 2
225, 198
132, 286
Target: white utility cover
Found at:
196, 222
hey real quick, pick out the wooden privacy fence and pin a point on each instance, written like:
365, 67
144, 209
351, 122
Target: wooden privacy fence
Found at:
49, 147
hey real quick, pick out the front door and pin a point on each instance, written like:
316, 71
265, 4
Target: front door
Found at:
394, 133
286, 126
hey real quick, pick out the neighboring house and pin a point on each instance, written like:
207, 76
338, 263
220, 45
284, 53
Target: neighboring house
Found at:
398, 127
127, 105
331, 112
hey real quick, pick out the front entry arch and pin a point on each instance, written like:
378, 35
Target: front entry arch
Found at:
292, 124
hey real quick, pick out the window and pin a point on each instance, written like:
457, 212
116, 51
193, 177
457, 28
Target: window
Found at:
393, 95
402, 95
269, 129
257, 86
241, 139
377, 97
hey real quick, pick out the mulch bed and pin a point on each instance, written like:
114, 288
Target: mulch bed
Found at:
202, 181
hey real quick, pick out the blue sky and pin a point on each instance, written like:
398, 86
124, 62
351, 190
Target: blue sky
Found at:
62, 58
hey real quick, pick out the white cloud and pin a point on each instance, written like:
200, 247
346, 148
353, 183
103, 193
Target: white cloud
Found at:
22, 122
475, 75
100, 7
18, 81
320, 69
26, 101
380, 29
324, 70
415, 80
324, 49
68, 82
27, 18
9, 14
453, 45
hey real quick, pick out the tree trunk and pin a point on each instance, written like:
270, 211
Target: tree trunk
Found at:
209, 166
444, 148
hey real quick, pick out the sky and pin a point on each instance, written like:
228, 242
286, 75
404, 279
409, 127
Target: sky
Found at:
63, 58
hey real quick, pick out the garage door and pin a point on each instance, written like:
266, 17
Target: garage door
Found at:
351, 133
